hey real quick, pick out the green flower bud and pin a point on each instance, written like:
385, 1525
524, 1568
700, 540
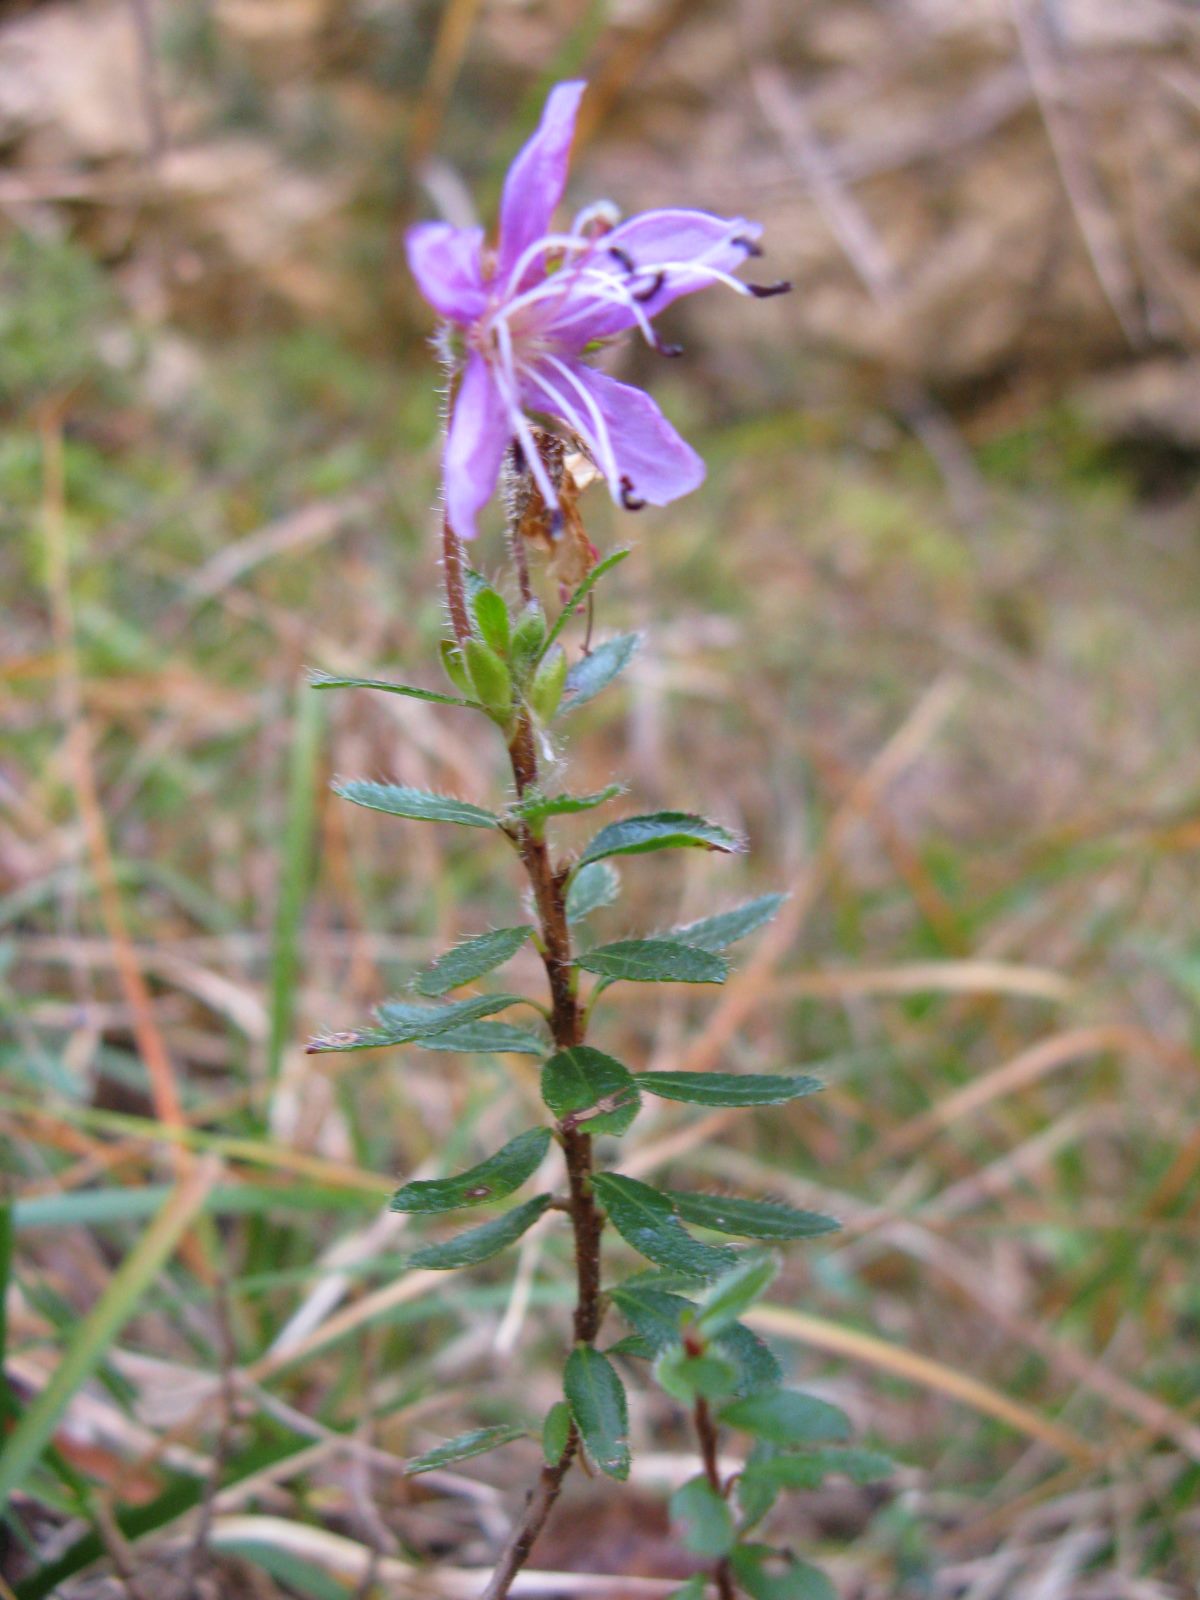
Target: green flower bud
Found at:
545, 691
490, 677
491, 617
455, 667
528, 637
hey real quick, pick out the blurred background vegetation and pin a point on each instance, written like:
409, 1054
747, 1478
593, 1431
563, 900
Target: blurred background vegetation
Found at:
928, 634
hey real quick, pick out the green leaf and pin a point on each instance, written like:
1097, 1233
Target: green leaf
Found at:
536, 806
595, 671
728, 1088
592, 887
402, 1022
633, 1346
491, 614
544, 693
719, 932
646, 1220
581, 593
725, 1301
660, 830
479, 1244
657, 1314
596, 1396
556, 1430
493, 1038
693, 1589
654, 961
462, 1448
328, 680
491, 1180
787, 1417
577, 1080
808, 1469
490, 677
398, 801
528, 641
471, 959
750, 1219
704, 1519
756, 1363
686, 1378
791, 1580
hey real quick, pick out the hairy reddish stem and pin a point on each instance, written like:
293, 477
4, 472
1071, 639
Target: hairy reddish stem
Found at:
706, 1432
567, 1025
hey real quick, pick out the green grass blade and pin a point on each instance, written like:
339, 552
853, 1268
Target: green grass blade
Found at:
100, 1328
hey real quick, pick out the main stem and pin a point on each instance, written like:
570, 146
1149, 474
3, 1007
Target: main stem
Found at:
567, 1026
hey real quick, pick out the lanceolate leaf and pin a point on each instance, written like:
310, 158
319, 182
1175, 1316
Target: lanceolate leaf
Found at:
656, 1313
580, 1080
787, 1417
694, 1589
398, 801
556, 1430
596, 671
767, 1574
808, 1469
537, 806
728, 1088
462, 1448
481, 1243
727, 927
592, 887
471, 959
658, 1316
402, 1022
328, 680
750, 1219
646, 1220
597, 1400
756, 1363
660, 830
725, 1301
704, 1520
654, 961
686, 1377
581, 594
492, 1179
493, 1038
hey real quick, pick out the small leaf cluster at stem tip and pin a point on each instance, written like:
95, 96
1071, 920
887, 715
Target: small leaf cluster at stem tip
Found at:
681, 1269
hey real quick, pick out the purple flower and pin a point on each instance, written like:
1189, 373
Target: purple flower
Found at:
530, 309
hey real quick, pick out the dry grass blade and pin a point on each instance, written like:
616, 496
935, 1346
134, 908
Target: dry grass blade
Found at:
1029, 1067
933, 977
349, 1559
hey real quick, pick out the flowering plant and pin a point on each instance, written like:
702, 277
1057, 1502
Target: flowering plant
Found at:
522, 319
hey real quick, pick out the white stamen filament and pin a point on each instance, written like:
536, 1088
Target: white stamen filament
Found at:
598, 437
548, 241
506, 382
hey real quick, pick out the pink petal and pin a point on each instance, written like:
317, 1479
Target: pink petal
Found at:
538, 176
475, 445
634, 445
679, 243
447, 264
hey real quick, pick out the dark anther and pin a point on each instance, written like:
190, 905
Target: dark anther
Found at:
556, 524
648, 293
764, 291
622, 257
748, 245
628, 499
517, 456
669, 349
